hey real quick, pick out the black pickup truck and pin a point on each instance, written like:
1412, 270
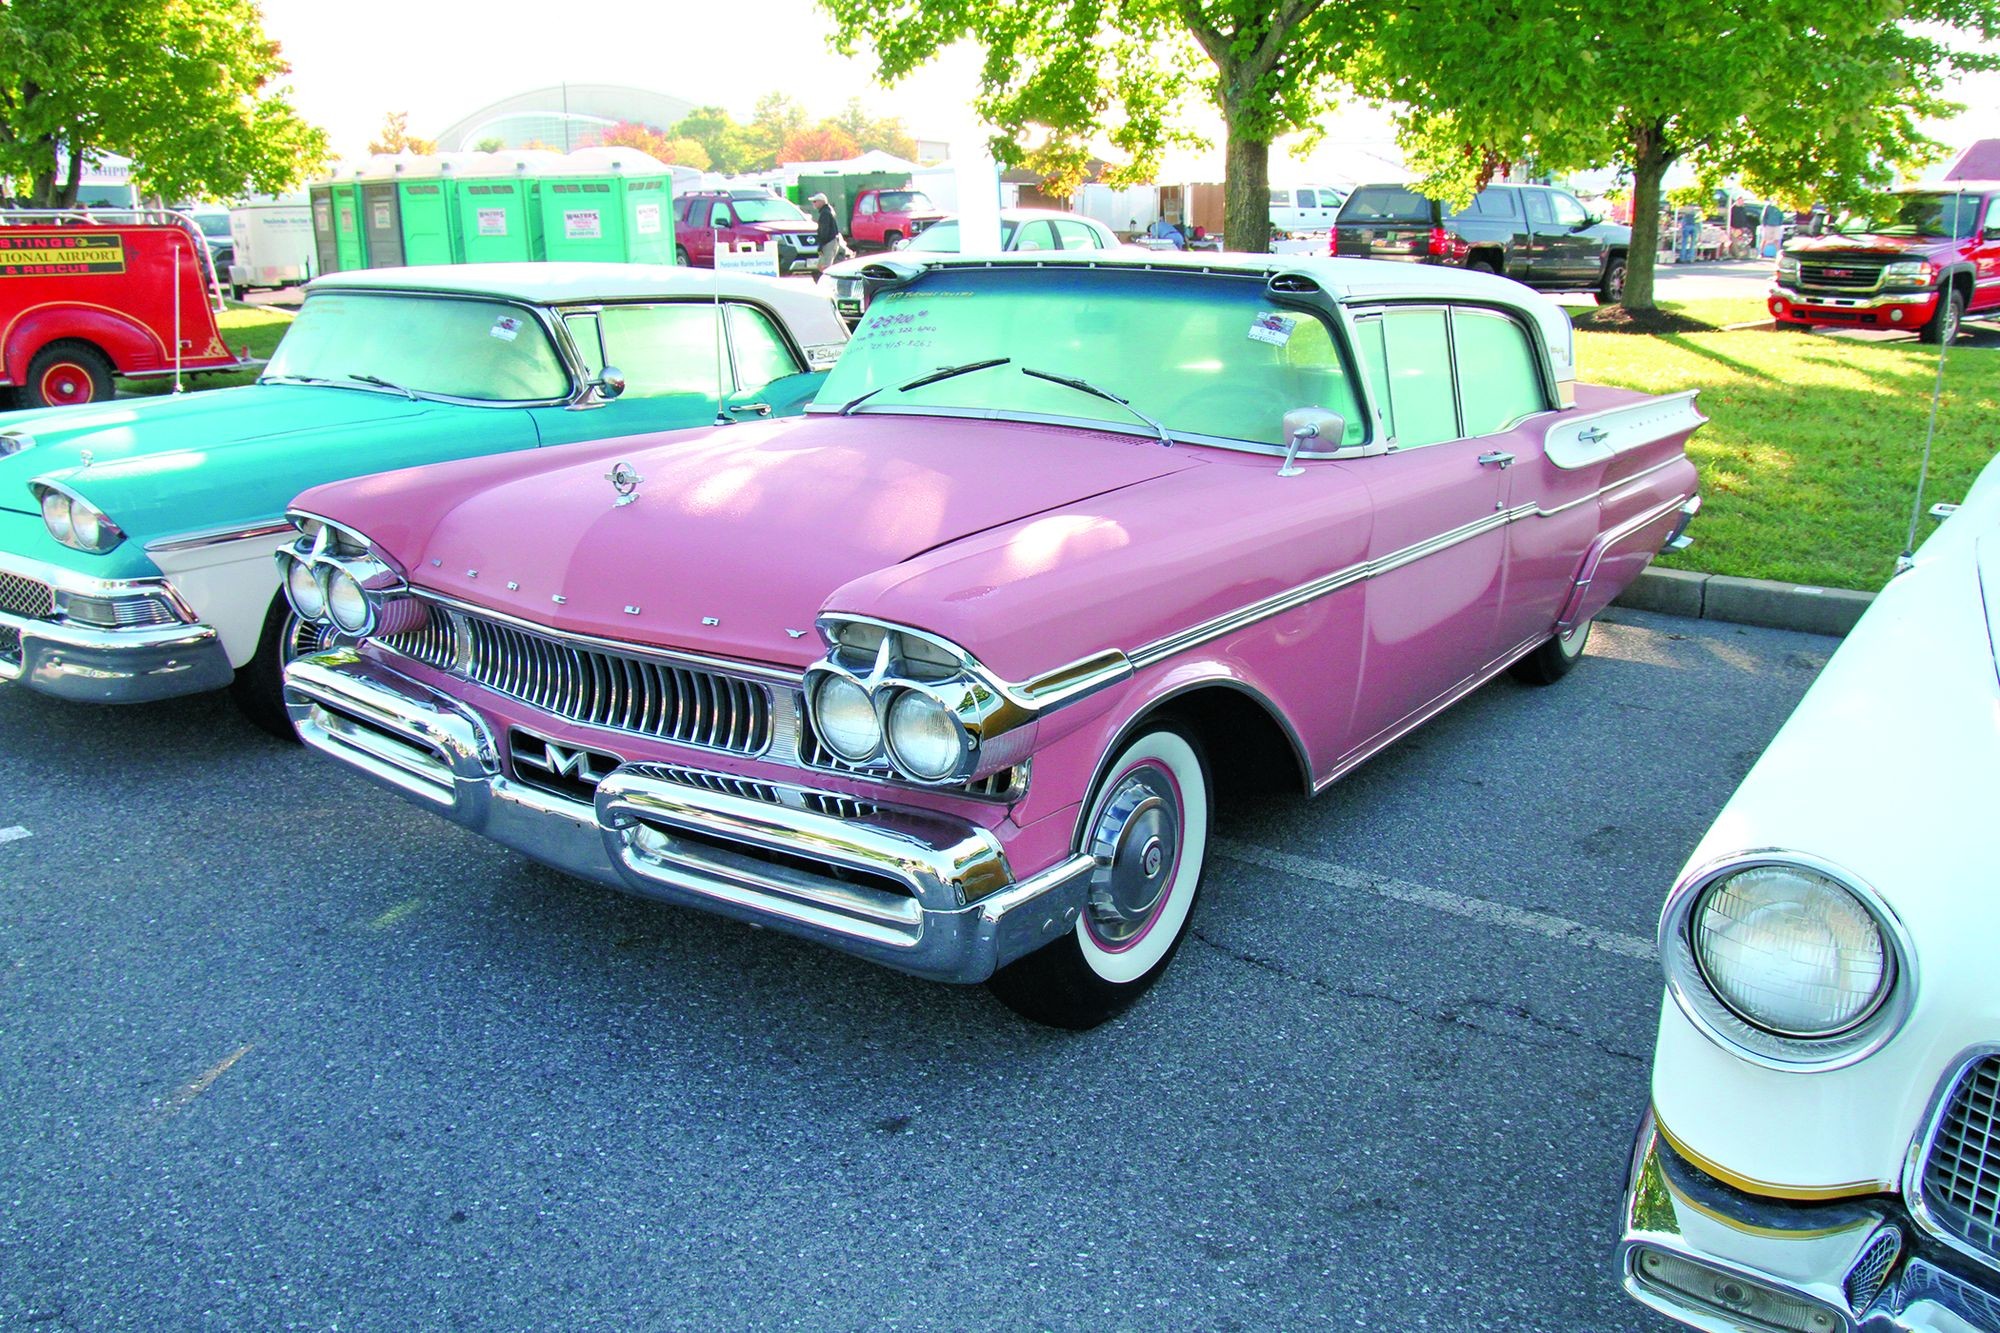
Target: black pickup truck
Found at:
1534, 234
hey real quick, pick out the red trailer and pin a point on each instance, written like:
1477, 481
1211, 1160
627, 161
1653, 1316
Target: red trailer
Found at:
88, 294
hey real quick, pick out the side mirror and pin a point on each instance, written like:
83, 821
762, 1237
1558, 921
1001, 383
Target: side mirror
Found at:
1310, 423
610, 383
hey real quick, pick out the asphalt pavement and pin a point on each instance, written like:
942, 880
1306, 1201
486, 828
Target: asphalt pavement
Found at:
281, 1051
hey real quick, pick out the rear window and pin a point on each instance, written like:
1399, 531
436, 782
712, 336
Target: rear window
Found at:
1386, 203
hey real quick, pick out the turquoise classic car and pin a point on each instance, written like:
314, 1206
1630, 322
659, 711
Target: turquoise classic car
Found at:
137, 536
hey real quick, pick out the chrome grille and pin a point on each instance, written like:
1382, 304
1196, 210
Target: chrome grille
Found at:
1962, 1166
10, 646
26, 597
592, 686
1849, 275
1864, 1280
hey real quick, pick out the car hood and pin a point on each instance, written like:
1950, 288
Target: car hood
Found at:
781, 228
736, 537
132, 444
1865, 244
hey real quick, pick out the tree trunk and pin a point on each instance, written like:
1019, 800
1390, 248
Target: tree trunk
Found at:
1246, 190
1650, 160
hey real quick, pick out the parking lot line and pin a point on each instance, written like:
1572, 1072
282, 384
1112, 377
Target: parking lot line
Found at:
1440, 900
14, 834
185, 1095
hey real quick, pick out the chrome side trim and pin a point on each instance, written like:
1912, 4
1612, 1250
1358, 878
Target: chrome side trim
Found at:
1581, 441
195, 541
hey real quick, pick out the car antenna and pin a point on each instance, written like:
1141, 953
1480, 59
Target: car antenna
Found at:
1908, 559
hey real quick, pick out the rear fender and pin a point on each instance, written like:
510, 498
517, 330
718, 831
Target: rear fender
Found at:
126, 341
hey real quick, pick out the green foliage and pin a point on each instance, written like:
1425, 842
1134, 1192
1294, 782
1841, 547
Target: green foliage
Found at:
781, 130
185, 88
1800, 99
491, 144
1061, 76
395, 137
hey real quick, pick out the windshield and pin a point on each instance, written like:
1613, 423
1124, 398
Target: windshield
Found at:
213, 224
457, 348
942, 237
767, 210
1950, 215
1208, 354
904, 201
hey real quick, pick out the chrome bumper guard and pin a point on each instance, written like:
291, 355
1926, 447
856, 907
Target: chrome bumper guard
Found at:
1718, 1259
913, 890
111, 666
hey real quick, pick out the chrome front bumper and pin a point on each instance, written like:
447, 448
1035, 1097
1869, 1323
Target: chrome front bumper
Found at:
112, 666
1901, 296
913, 890
1718, 1259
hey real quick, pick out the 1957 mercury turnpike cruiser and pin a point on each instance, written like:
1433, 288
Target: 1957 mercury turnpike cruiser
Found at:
1823, 1146
946, 673
136, 536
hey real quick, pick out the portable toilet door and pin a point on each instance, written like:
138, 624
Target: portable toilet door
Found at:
581, 219
326, 242
382, 213
350, 240
649, 219
492, 198
423, 223
589, 213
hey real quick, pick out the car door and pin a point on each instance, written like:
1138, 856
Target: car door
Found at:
1579, 255
1545, 239
1439, 541
672, 362
697, 239
1986, 259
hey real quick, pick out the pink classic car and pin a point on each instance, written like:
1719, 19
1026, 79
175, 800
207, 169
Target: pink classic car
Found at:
948, 672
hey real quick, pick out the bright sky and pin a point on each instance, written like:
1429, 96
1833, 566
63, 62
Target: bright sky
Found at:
442, 59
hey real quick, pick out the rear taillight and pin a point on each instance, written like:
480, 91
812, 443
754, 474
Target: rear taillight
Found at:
1440, 241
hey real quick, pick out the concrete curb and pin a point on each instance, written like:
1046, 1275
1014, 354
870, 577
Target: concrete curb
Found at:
1679, 592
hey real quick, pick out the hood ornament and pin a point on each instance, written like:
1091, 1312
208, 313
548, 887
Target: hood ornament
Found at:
624, 479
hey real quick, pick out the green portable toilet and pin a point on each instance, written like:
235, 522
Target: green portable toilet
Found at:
610, 205
337, 233
492, 199
424, 221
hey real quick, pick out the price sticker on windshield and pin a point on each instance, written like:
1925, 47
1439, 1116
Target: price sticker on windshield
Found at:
506, 328
1271, 327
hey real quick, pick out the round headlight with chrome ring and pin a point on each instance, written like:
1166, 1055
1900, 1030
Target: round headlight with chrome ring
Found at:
924, 739
1786, 958
303, 591
56, 516
346, 603
844, 715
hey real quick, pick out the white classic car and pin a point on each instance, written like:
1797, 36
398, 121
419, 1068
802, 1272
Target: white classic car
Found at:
1823, 1146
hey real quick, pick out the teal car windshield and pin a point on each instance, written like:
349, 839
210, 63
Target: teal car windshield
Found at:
1206, 354
449, 347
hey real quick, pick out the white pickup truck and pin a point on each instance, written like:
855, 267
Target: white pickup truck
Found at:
1301, 217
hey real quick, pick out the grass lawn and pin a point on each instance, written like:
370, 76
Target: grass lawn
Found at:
257, 326
1809, 459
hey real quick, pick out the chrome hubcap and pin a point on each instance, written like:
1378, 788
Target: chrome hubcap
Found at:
302, 639
1135, 841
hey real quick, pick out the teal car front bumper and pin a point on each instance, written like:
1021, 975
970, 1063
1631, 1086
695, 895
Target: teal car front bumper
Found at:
101, 641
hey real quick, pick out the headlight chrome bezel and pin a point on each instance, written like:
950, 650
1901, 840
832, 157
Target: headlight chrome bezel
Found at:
1722, 1023
1909, 273
335, 557
53, 498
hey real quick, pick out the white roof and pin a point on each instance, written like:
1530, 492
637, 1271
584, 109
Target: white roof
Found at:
809, 315
612, 162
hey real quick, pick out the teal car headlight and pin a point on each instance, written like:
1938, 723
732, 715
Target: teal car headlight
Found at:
75, 521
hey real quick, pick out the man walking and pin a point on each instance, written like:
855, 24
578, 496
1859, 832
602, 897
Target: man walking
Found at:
833, 246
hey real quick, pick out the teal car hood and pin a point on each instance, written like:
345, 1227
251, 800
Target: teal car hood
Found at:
142, 445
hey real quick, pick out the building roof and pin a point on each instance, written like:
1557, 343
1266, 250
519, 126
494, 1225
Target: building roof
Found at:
563, 115
810, 315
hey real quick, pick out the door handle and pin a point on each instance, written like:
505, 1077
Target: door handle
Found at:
761, 409
1504, 459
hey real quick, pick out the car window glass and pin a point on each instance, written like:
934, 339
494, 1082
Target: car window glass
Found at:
1420, 383
1567, 210
698, 215
1494, 201
761, 354
867, 203
1497, 376
1037, 235
1373, 353
1076, 236
583, 332
755, 209
1208, 355
1538, 205
1280, 198
1386, 203
486, 350
662, 348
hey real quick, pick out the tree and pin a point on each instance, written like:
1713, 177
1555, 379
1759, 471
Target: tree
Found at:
394, 137
827, 143
1798, 98
492, 143
654, 142
870, 132
186, 88
1060, 75
726, 143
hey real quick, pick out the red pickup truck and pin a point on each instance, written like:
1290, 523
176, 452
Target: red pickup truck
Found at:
1929, 262
884, 218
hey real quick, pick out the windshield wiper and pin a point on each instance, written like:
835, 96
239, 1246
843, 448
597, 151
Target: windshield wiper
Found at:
379, 381
944, 373
292, 379
1085, 386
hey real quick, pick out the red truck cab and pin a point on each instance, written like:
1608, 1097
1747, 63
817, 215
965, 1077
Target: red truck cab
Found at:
736, 219
84, 296
1929, 262
885, 218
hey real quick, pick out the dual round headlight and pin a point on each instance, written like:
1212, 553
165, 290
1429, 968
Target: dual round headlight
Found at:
304, 591
346, 602
77, 523
1785, 960
327, 592
919, 734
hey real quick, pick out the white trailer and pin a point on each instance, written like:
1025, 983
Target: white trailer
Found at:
274, 244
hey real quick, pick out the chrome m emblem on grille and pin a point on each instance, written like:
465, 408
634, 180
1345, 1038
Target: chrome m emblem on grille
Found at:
560, 761
625, 480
